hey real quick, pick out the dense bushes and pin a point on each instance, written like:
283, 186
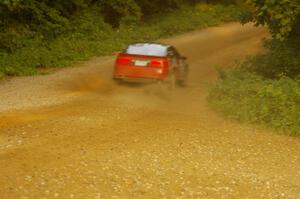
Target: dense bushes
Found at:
250, 98
282, 17
88, 34
283, 59
22, 19
52, 17
265, 89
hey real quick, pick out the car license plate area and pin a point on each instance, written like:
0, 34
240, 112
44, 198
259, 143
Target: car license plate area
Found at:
141, 63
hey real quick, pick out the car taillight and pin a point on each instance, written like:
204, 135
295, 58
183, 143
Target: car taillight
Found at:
123, 60
158, 63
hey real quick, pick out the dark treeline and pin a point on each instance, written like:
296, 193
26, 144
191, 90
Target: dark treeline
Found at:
55, 14
21, 19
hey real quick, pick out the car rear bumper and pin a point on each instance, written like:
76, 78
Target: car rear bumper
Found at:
139, 73
137, 80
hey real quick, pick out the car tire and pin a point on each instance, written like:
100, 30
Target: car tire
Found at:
171, 81
184, 76
118, 81
182, 83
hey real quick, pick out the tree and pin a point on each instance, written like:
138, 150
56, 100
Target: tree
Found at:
281, 16
120, 11
283, 19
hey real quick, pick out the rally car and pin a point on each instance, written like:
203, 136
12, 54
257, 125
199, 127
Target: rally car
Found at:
157, 62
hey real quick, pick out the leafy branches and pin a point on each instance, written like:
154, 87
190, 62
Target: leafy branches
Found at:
281, 16
266, 88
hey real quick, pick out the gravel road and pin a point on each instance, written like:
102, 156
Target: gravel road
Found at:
77, 134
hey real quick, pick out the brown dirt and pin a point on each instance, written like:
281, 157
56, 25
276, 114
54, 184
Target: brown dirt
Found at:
76, 134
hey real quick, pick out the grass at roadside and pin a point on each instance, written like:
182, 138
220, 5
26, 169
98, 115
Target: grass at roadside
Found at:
248, 97
265, 89
91, 36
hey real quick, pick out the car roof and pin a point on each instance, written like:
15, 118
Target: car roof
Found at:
149, 48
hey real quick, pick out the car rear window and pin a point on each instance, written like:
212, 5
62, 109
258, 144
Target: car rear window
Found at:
147, 49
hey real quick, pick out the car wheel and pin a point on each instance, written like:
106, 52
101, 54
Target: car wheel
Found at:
182, 83
171, 81
183, 76
117, 81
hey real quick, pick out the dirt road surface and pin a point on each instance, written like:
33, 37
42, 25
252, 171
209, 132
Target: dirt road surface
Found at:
76, 134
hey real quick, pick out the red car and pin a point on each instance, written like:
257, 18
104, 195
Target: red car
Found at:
151, 61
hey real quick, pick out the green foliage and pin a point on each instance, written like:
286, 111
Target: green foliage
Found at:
250, 98
89, 35
282, 59
38, 16
266, 88
119, 11
282, 16
151, 7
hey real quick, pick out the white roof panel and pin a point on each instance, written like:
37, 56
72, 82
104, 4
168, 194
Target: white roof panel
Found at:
147, 49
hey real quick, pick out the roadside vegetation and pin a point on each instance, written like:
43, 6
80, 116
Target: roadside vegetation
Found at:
266, 88
45, 34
